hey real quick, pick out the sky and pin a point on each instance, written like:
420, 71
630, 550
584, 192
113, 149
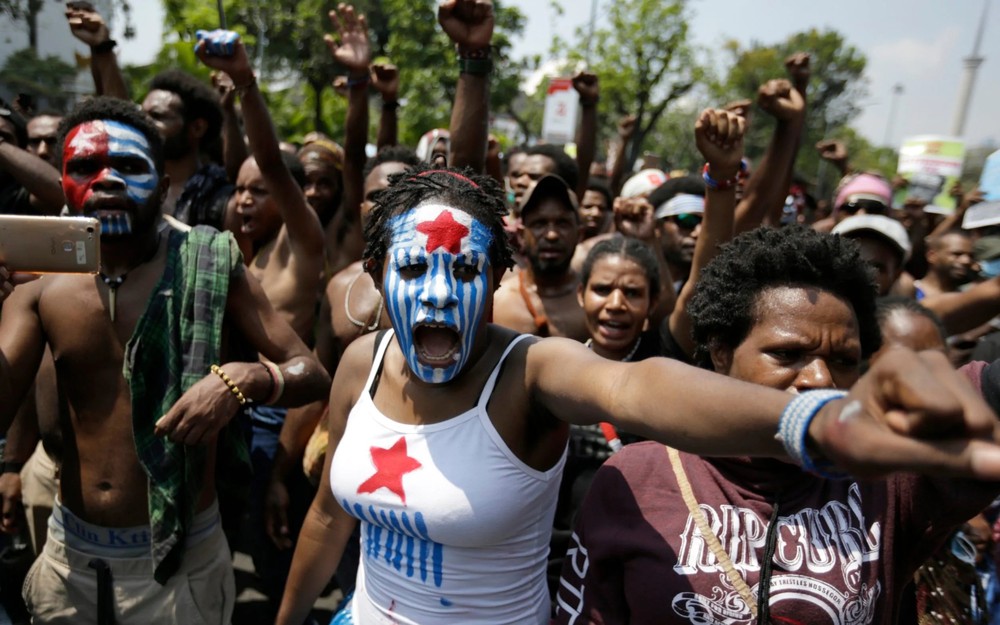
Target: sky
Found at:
919, 44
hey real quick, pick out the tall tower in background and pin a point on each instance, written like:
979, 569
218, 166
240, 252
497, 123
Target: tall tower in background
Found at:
972, 64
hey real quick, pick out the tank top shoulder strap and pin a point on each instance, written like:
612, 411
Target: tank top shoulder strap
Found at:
382, 341
491, 382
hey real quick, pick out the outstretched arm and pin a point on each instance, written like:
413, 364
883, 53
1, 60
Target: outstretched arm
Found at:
87, 25
223, 51
589, 88
719, 137
469, 24
909, 412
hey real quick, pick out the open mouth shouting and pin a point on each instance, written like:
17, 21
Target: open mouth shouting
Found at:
437, 344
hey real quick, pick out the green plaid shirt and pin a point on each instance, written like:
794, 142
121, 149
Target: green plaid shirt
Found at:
175, 342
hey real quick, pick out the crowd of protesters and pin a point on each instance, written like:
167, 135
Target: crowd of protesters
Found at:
462, 386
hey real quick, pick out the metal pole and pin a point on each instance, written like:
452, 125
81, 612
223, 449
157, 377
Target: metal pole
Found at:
593, 23
972, 64
897, 90
222, 15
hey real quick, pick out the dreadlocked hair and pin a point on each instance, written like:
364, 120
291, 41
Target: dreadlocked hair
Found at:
479, 196
724, 307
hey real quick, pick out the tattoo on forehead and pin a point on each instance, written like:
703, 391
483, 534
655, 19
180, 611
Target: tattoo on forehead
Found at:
440, 227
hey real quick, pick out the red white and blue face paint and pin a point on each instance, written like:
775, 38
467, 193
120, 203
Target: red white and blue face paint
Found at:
436, 286
104, 155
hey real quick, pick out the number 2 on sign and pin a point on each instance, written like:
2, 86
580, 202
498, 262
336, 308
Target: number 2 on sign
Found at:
561, 109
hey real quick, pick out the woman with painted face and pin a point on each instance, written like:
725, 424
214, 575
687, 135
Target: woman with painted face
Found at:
448, 433
672, 537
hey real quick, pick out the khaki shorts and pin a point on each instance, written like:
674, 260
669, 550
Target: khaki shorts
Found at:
61, 589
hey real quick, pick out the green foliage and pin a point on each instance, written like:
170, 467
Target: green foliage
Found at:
46, 79
645, 62
836, 86
285, 39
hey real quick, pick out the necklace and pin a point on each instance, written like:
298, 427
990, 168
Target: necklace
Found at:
347, 309
628, 357
117, 281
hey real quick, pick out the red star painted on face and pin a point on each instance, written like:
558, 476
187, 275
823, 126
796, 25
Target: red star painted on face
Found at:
444, 232
390, 467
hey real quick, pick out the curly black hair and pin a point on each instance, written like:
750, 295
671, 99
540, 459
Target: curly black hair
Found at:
626, 247
566, 167
479, 196
392, 154
723, 309
198, 99
123, 111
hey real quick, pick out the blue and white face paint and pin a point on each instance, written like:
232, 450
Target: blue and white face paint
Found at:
436, 284
101, 151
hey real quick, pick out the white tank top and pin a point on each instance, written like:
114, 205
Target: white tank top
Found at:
454, 527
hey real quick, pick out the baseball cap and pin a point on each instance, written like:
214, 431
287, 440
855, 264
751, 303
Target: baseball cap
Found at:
863, 187
643, 183
549, 186
886, 228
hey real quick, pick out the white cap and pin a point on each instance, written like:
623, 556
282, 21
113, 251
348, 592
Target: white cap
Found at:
643, 183
885, 227
680, 204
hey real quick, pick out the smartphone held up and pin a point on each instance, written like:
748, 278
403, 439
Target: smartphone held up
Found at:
41, 245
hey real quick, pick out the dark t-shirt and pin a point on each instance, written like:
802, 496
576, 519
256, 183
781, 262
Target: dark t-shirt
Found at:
844, 548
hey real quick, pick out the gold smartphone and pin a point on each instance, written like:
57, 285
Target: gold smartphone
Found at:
50, 244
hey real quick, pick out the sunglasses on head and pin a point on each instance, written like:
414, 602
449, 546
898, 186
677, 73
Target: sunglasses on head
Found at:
871, 207
688, 221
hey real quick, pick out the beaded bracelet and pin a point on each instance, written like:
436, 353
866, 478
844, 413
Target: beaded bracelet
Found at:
793, 430
217, 370
722, 185
277, 382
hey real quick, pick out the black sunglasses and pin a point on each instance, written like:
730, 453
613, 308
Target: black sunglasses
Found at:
871, 207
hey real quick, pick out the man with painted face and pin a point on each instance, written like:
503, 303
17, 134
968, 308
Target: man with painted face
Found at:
151, 383
541, 298
186, 113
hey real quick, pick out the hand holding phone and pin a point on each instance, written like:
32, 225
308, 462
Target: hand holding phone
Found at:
39, 245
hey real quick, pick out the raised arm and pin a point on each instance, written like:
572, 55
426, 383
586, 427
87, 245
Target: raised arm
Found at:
234, 148
835, 153
469, 24
634, 217
764, 193
626, 128
719, 137
40, 179
385, 79
223, 51
589, 88
88, 26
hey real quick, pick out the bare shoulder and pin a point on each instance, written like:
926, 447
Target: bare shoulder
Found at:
342, 280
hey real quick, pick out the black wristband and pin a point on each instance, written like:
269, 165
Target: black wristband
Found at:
11, 467
476, 67
104, 46
589, 103
390, 105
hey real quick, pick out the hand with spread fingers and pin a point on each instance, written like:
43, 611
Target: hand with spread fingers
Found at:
351, 46
910, 412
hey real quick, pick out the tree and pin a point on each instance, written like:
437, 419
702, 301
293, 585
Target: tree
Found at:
836, 86
45, 79
28, 10
645, 63
286, 41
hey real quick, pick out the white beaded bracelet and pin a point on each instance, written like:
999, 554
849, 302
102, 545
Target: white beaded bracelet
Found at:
793, 429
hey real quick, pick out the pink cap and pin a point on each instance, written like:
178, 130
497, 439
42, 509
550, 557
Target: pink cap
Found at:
864, 187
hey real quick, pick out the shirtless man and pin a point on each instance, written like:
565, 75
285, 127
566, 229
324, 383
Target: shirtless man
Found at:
949, 264
138, 492
541, 298
286, 233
